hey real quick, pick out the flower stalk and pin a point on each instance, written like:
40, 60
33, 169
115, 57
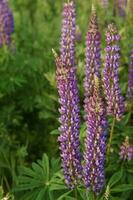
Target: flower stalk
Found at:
114, 98
95, 142
126, 150
68, 99
6, 23
130, 79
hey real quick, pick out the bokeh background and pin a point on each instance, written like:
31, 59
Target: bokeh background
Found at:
28, 95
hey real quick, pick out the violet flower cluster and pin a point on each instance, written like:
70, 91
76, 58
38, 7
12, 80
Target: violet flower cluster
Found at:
126, 150
69, 99
95, 142
92, 170
6, 23
78, 34
120, 6
115, 100
92, 54
130, 79
104, 3
95, 112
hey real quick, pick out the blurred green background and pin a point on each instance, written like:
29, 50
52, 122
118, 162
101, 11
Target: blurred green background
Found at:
28, 94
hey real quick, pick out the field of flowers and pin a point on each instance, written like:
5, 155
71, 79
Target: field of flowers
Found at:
66, 100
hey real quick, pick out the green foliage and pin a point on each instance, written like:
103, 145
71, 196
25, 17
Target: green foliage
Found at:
40, 181
29, 105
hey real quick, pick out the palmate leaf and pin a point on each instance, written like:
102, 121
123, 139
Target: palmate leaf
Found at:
57, 182
30, 195
36, 177
39, 182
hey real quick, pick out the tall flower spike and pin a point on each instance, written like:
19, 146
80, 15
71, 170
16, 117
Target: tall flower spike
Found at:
104, 3
68, 37
6, 23
130, 79
92, 60
115, 100
69, 100
120, 6
126, 150
95, 142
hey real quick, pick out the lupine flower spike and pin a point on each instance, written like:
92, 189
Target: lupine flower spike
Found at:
104, 3
68, 99
126, 150
95, 113
115, 100
93, 39
130, 79
95, 142
78, 34
120, 6
6, 23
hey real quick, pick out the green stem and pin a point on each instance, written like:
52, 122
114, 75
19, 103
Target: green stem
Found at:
76, 195
94, 196
111, 135
7, 184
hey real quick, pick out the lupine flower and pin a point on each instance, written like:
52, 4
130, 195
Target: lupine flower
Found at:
115, 100
93, 39
126, 150
104, 3
130, 6
120, 6
67, 49
6, 23
95, 142
130, 79
68, 99
78, 34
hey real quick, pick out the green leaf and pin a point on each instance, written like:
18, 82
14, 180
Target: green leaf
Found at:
41, 194
69, 198
55, 165
130, 170
115, 178
50, 194
57, 187
82, 192
55, 132
122, 188
30, 195
115, 198
45, 165
37, 177
64, 195
1, 192
130, 178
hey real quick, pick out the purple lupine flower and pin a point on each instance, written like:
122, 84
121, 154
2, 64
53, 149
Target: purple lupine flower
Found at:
115, 100
104, 3
6, 23
130, 6
78, 34
130, 79
120, 6
126, 150
67, 50
69, 99
95, 142
93, 39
